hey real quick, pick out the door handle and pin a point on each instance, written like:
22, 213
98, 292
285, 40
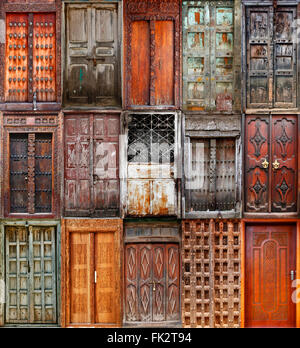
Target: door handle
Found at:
265, 164
153, 283
293, 275
95, 275
275, 165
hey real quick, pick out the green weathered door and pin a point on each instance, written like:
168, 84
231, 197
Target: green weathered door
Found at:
30, 275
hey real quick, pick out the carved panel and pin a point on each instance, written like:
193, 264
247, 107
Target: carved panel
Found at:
151, 282
152, 55
211, 280
271, 163
92, 165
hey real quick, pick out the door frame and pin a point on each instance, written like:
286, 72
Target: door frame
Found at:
244, 223
34, 223
85, 225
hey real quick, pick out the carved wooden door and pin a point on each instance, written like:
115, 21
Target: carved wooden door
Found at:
208, 55
270, 259
271, 57
271, 164
152, 53
30, 275
152, 282
91, 165
30, 173
92, 70
93, 277
30, 69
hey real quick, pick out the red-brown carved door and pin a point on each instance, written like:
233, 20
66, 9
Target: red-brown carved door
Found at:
151, 282
271, 163
270, 261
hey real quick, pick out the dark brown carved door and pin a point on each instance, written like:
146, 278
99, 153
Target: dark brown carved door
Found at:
91, 165
271, 57
151, 282
271, 164
31, 173
92, 55
270, 261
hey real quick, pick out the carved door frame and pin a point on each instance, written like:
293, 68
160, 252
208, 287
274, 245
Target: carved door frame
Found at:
244, 223
28, 122
27, 8
152, 240
70, 226
56, 224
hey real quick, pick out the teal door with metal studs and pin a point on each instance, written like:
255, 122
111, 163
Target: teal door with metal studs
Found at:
30, 265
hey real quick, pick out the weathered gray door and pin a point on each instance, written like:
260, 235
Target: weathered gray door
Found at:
92, 64
30, 275
208, 35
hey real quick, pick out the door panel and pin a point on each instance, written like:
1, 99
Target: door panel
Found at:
105, 292
270, 256
284, 151
30, 275
164, 62
81, 278
257, 152
152, 282
18, 173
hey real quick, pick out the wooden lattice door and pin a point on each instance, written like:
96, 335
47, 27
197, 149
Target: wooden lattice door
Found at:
151, 283
30, 275
270, 261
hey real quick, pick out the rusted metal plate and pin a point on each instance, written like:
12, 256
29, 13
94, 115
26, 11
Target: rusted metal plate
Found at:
92, 165
152, 55
93, 55
208, 41
151, 182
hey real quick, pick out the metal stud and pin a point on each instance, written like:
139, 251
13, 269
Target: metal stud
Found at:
42, 46
10, 79
15, 36
10, 46
37, 79
24, 46
37, 57
10, 35
23, 79
24, 24
30, 35
37, 46
50, 35
10, 57
46, 46
15, 80
37, 35
24, 68
15, 57
19, 80
10, 68
46, 35
15, 68
19, 46
46, 24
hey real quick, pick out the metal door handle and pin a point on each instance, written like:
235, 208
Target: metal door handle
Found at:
153, 283
293, 275
275, 164
95, 277
265, 164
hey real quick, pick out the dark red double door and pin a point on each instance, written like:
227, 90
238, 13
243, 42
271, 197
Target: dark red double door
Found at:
271, 164
270, 273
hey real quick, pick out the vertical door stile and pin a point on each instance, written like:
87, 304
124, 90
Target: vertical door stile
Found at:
55, 277
31, 273
91, 166
92, 276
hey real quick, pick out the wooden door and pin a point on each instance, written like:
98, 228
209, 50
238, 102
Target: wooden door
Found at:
31, 165
93, 278
30, 275
270, 258
92, 70
271, 164
152, 282
152, 58
30, 72
92, 165
271, 57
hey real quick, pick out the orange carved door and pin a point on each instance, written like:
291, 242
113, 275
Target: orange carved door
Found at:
151, 283
270, 271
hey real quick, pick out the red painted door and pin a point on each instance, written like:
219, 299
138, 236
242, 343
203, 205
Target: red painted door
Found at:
271, 164
151, 282
270, 259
